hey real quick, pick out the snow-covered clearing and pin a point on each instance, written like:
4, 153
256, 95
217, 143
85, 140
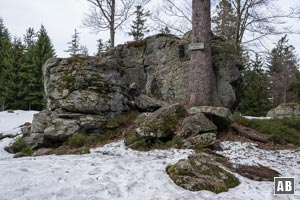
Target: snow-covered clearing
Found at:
115, 172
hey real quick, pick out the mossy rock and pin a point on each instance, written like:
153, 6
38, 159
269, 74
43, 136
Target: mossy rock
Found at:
20, 147
134, 141
157, 130
162, 123
201, 172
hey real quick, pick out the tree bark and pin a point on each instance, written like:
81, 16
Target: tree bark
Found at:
202, 81
112, 25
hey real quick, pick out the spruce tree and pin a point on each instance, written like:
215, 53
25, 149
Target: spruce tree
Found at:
43, 50
28, 70
100, 46
165, 31
29, 38
283, 64
138, 28
15, 85
74, 45
84, 50
225, 20
254, 100
6, 59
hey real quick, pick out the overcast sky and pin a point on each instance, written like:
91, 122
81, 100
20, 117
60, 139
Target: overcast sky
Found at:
61, 17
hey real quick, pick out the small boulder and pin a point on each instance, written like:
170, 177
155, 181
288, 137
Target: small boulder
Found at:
201, 172
198, 141
196, 124
222, 117
19, 155
285, 110
148, 104
42, 152
162, 123
61, 129
25, 129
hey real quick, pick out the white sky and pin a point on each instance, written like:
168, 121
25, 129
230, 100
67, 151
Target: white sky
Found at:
61, 17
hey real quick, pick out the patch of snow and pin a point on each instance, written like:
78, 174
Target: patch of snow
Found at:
9, 122
286, 162
116, 172
251, 117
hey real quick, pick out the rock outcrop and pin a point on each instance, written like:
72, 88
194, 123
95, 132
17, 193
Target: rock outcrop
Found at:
222, 117
83, 93
285, 110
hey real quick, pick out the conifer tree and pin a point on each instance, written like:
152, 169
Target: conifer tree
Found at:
29, 38
5, 63
100, 46
84, 50
254, 100
74, 44
165, 31
42, 51
138, 28
283, 64
225, 20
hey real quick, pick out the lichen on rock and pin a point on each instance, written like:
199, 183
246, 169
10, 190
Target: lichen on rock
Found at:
202, 172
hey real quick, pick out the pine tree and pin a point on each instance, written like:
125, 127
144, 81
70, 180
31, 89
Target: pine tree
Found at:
295, 86
165, 31
14, 83
283, 64
84, 50
28, 71
100, 46
107, 45
254, 100
225, 20
6, 59
43, 50
74, 45
138, 28
29, 38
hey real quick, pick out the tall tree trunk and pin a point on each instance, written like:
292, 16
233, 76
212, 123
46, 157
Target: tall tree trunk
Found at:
202, 81
112, 23
237, 43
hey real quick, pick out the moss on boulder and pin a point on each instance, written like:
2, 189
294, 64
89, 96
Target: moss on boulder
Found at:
201, 172
157, 130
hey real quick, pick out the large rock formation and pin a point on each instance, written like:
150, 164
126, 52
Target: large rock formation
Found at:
83, 93
285, 110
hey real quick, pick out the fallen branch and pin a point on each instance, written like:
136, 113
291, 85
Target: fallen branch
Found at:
249, 133
2, 136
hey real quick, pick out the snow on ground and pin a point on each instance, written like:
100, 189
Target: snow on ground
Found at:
116, 172
9, 122
251, 117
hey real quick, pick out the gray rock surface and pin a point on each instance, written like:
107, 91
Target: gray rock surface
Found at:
285, 110
196, 124
148, 104
85, 85
42, 152
222, 117
139, 75
50, 127
198, 141
162, 123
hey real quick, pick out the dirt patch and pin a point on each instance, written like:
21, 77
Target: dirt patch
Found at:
232, 136
257, 173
